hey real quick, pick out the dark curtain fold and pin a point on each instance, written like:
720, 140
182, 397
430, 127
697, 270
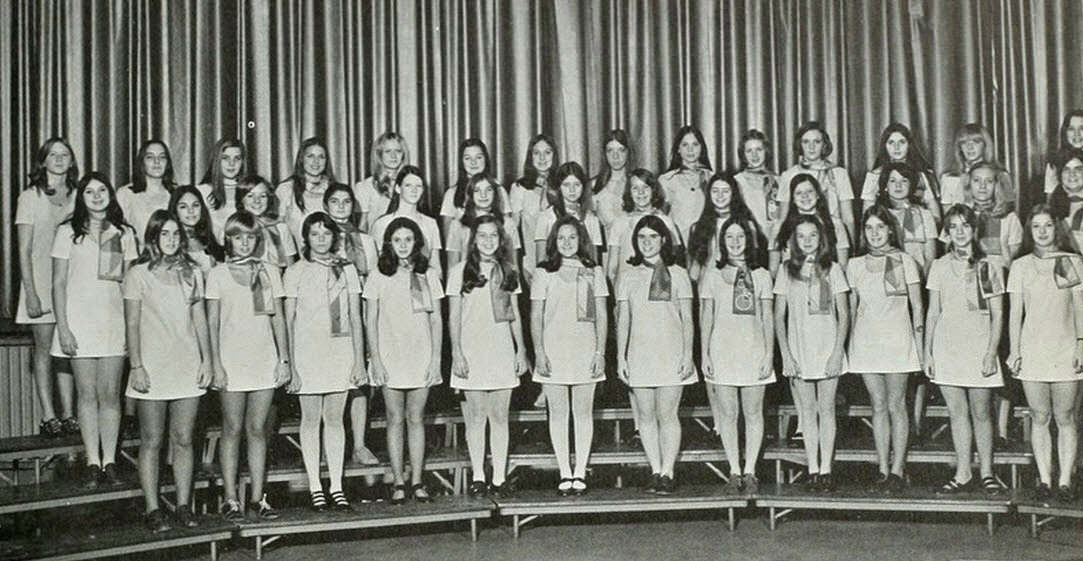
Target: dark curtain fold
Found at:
110, 74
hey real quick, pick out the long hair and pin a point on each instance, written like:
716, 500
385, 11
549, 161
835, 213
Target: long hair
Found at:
825, 251
884, 214
1003, 194
80, 216
319, 217
1062, 240
422, 203
1062, 138
967, 132
556, 197
460, 198
298, 177
768, 150
669, 252
909, 174
828, 147
530, 176
970, 217
355, 207
915, 158
247, 184
376, 164
139, 175
243, 222
152, 250
658, 194
748, 227
202, 231
785, 231
472, 277
584, 252
621, 137
470, 211
699, 240
214, 176
39, 176
675, 161
389, 262
1058, 199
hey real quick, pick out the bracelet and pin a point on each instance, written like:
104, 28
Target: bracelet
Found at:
284, 361
919, 328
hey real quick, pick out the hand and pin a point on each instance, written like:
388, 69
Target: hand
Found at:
459, 367
790, 369
622, 371
767, 368
1015, 364
708, 368
358, 376
543, 369
378, 376
220, 380
33, 306
1077, 358
206, 374
833, 367
140, 380
68, 344
929, 365
432, 374
522, 364
597, 367
283, 374
294, 383
687, 368
989, 364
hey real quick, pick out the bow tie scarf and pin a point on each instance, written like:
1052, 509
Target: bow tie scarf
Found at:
338, 300
110, 255
661, 289
186, 277
251, 272
500, 298
744, 293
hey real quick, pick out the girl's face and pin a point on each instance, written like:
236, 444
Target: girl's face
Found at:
411, 190
231, 161
155, 161
1043, 229
391, 154
755, 153
96, 196
690, 150
877, 233
734, 238
983, 184
487, 239
340, 205
616, 155
257, 199
897, 146
484, 195
473, 160
568, 241
812, 145
805, 197
808, 238
169, 238
960, 232
1074, 133
973, 148
641, 194
314, 160
571, 189
320, 239
898, 187
721, 196
58, 159
649, 242
402, 242
1071, 176
243, 244
189, 209
542, 156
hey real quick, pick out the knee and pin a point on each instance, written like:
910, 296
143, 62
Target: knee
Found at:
498, 416
181, 439
1040, 417
1065, 417
254, 430
728, 412
897, 407
150, 441
230, 429
415, 419
980, 414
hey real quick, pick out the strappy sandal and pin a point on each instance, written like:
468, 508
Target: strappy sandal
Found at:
319, 501
341, 504
565, 487
991, 486
420, 494
477, 488
953, 487
579, 486
401, 498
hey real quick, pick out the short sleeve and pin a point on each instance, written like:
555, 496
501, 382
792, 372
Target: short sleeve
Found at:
432, 234
838, 280
871, 186
784, 187
1051, 180
539, 288
455, 280
515, 197
291, 281
276, 282
936, 276
1013, 230
782, 280
135, 285
353, 281
601, 287
843, 184
435, 287
454, 236
284, 194
950, 190
128, 245
623, 292
929, 224
26, 208
1015, 277
447, 206
1077, 262
213, 289
62, 242
853, 264
543, 225
288, 245
363, 192
374, 286
761, 281
910, 269
372, 253
594, 228
842, 237
682, 284
673, 230
709, 286
617, 231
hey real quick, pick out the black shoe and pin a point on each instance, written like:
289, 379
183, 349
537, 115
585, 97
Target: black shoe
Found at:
156, 521
991, 485
501, 491
1065, 494
263, 509
231, 511
92, 475
129, 428
666, 486
52, 428
579, 486
71, 425
1043, 493
895, 484
421, 494
634, 440
111, 477
882, 485
653, 483
813, 483
339, 502
185, 517
477, 489
954, 487
827, 483
319, 500
564, 488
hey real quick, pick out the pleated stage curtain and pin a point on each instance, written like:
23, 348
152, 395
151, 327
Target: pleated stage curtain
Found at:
110, 74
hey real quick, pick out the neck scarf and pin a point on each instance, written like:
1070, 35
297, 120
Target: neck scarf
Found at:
1064, 272
894, 274
250, 271
913, 224
110, 254
316, 188
990, 228
744, 292
186, 276
420, 295
661, 282
1077, 216
353, 248
500, 298
820, 300
585, 308
338, 300
275, 252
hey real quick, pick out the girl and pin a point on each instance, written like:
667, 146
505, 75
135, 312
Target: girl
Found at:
962, 336
253, 195
483, 198
570, 197
685, 180
812, 320
91, 251
726, 201
916, 224
736, 313
301, 194
569, 326
1067, 199
807, 199
389, 153
404, 317
812, 146
757, 183
219, 185
1046, 334
473, 162
608, 186
327, 350
643, 196
529, 195
654, 344
411, 200
973, 144
359, 249
249, 353
485, 365
167, 339
990, 194
886, 343
187, 205
151, 186
43, 205
1071, 136
898, 145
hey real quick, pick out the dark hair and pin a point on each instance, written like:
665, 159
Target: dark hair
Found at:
785, 231
748, 227
470, 211
214, 177
812, 126
1061, 238
753, 134
675, 161
319, 217
1062, 139
152, 251
699, 240
472, 277
80, 216
423, 203
621, 137
249, 183
389, 262
39, 176
139, 175
202, 231
668, 254
355, 207
915, 158
1058, 199
825, 253
298, 177
909, 174
658, 194
460, 198
240, 222
556, 198
553, 258
971, 218
884, 214
530, 176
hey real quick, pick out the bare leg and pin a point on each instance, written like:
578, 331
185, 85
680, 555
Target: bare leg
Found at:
961, 437
86, 375
752, 406
806, 396
255, 423
726, 423
151, 430
311, 414
980, 412
229, 452
182, 421
42, 363
1064, 395
825, 407
415, 423
359, 414
1041, 412
395, 400
107, 384
900, 424
668, 400
881, 423
648, 426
